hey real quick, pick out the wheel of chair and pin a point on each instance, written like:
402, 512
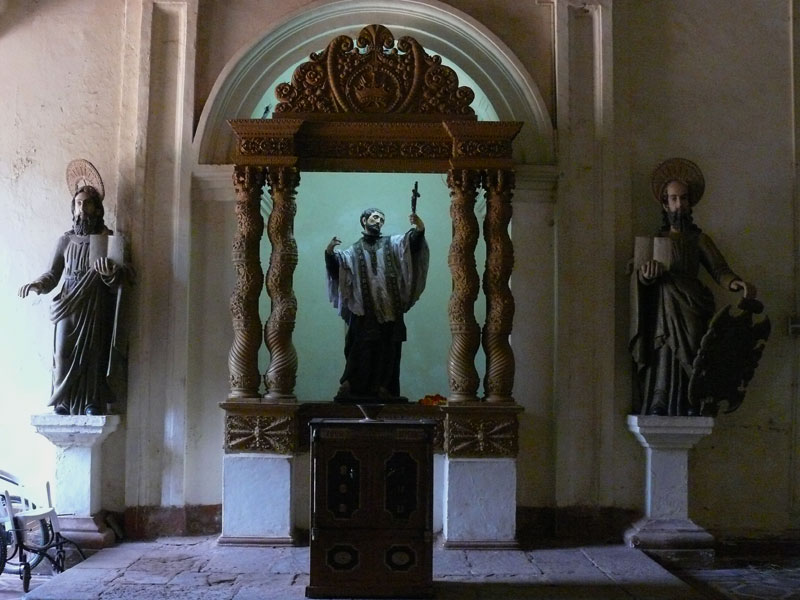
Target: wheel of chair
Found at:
26, 577
37, 535
3, 549
60, 561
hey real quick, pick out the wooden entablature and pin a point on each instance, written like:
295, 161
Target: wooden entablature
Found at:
385, 145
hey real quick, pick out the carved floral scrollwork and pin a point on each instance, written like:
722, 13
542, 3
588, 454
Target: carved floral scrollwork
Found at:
282, 372
462, 374
499, 380
260, 433
378, 149
481, 436
266, 146
483, 149
374, 75
243, 356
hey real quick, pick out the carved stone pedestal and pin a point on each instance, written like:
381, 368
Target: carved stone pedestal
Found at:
265, 498
666, 530
78, 487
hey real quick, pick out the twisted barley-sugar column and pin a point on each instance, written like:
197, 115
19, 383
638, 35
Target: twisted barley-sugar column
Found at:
243, 357
461, 370
282, 372
499, 380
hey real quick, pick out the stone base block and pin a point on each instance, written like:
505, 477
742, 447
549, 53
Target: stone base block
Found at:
699, 558
668, 534
90, 533
480, 502
256, 499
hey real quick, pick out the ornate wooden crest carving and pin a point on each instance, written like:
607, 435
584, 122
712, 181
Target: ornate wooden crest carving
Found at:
375, 75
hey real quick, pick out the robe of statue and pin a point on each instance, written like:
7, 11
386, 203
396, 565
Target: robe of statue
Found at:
83, 315
670, 315
372, 284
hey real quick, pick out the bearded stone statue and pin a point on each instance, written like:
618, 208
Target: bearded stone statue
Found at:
83, 312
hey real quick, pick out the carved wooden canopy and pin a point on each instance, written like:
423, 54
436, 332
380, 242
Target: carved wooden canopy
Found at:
374, 104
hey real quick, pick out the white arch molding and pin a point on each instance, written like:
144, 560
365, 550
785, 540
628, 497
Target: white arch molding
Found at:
440, 28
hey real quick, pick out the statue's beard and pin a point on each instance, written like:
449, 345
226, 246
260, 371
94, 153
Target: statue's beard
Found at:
87, 225
372, 229
680, 220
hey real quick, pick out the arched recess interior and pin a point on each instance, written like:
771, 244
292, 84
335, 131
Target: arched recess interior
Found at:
440, 28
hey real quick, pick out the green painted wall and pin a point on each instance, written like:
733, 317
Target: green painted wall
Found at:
330, 204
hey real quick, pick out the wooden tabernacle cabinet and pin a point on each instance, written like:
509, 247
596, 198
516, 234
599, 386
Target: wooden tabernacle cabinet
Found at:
371, 508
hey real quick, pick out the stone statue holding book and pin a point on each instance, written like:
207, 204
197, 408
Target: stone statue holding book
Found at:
671, 308
90, 260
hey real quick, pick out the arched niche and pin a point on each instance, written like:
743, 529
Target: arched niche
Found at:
440, 28
373, 103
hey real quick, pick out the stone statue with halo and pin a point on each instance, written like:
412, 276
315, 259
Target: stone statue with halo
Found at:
686, 362
90, 260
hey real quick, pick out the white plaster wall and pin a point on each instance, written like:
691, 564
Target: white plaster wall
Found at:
60, 100
712, 82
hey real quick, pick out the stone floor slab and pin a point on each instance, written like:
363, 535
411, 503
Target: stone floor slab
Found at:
500, 563
450, 562
567, 566
289, 560
117, 557
199, 569
282, 587
132, 591
75, 584
232, 559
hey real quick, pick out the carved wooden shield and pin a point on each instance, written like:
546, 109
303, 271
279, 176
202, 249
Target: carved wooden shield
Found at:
728, 357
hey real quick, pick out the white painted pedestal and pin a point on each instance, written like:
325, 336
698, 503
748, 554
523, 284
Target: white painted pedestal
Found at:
257, 493
480, 503
78, 487
666, 528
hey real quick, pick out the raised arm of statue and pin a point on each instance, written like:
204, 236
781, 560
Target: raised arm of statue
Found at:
748, 290
335, 241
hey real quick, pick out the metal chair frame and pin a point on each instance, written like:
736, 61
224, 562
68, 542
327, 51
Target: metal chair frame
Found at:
29, 533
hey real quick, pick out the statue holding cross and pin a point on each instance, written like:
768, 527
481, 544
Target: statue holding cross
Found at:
373, 283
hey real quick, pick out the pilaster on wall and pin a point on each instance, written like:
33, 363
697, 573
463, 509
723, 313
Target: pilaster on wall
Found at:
155, 168
794, 464
585, 408
533, 336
